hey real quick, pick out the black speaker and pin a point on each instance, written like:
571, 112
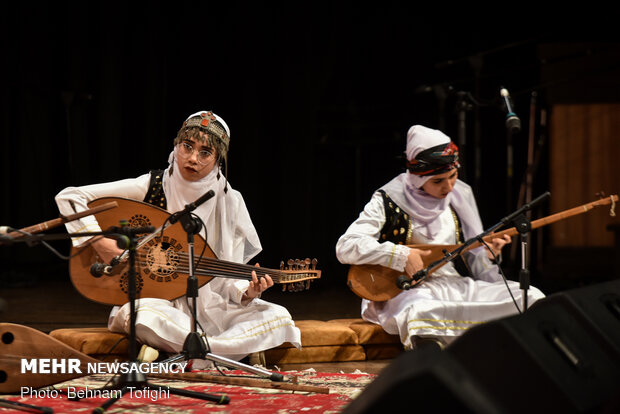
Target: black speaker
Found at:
599, 304
561, 355
425, 380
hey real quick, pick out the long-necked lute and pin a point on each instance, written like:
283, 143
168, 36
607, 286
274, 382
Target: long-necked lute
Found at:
50, 224
162, 260
378, 283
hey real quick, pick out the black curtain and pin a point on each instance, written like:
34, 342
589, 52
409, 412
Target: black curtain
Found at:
318, 99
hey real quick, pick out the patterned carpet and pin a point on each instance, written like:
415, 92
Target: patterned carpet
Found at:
334, 392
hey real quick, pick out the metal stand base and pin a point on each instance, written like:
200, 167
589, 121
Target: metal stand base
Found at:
273, 376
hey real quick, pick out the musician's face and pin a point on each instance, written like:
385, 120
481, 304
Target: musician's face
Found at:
440, 185
195, 159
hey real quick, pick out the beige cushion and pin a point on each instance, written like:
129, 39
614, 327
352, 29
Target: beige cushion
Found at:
93, 341
336, 340
321, 333
326, 353
367, 332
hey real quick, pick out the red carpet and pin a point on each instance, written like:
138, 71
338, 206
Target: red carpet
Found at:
244, 400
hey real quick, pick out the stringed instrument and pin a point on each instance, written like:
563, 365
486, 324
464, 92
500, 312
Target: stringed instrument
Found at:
162, 260
50, 224
379, 283
22, 342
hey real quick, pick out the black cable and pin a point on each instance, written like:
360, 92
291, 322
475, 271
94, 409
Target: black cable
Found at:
46, 244
501, 272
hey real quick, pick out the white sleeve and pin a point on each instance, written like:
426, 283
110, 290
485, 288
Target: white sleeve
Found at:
73, 200
360, 245
481, 267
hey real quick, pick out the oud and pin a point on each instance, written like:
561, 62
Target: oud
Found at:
162, 260
379, 283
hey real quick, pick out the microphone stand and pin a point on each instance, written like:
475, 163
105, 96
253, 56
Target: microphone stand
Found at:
194, 346
137, 380
462, 107
521, 223
523, 226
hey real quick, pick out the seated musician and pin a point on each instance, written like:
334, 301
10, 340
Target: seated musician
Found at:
234, 318
428, 204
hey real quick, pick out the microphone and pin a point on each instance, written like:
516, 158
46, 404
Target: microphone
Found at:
403, 282
191, 206
513, 123
99, 269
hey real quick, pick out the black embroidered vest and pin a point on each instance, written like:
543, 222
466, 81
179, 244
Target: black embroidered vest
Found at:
398, 228
155, 195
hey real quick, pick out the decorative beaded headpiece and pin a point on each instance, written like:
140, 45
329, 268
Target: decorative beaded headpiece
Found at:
208, 122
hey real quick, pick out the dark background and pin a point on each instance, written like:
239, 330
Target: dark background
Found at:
318, 98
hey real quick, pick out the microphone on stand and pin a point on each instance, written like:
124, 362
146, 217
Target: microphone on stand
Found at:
513, 123
100, 269
121, 234
191, 206
403, 282
406, 283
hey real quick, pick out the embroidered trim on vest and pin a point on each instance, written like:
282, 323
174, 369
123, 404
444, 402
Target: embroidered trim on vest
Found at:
457, 225
155, 195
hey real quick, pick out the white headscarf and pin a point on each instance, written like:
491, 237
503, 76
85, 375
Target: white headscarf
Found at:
225, 215
420, 138
424, 209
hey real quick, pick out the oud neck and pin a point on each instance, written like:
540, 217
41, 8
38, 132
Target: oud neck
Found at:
231, 270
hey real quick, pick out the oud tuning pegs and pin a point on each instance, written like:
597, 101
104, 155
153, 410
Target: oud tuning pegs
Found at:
281, 264
290, 264
307, 263
314, 262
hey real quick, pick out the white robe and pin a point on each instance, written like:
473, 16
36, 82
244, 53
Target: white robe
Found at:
233, 330
446, 304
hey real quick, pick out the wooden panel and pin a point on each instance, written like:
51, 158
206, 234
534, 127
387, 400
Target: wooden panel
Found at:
584, 160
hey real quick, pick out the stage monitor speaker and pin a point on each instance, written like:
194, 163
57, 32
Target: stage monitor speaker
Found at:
561, 355
599, 304
424, 380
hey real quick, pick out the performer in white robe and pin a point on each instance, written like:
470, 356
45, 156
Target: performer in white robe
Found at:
429, 205
235, 320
